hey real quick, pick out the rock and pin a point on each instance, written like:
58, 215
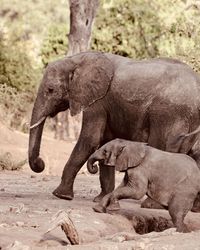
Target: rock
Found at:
45, 178
17, 245
19, 224
20, 208
4, 225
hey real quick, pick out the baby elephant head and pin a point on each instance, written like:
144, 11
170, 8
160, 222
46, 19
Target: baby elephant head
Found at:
121, 154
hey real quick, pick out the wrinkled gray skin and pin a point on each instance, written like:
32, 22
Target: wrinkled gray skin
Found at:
170, 179
150, 101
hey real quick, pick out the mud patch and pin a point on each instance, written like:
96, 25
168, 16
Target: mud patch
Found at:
27, 206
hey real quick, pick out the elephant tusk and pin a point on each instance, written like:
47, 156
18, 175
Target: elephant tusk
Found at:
193, 132
38, 123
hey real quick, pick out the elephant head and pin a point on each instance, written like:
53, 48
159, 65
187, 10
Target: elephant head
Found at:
119, 153
107, 154
131, 156
74, 82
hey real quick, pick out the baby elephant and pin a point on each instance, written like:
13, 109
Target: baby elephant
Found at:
171, 179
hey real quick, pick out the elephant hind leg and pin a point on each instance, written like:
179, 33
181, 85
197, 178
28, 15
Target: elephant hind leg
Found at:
179, 206
166, 129
149, 203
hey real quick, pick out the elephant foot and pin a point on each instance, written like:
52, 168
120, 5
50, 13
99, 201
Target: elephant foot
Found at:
61, 193
113, 207
196, 205
183, 229
195, 209
149, 203
99, 209
99, 197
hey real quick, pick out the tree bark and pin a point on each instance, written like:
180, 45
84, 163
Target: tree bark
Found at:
82, 15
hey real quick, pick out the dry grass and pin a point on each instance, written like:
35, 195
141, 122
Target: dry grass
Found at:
8, 163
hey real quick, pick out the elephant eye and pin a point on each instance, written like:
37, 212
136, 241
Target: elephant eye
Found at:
50, 90
104, 152
71, 75
120, 150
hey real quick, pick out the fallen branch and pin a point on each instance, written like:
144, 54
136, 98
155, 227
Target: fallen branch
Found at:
62, 219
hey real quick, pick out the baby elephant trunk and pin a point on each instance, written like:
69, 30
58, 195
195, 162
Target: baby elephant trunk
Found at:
96, 156
91, 167
99, 155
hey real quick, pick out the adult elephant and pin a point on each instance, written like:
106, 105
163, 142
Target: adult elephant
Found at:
152, 101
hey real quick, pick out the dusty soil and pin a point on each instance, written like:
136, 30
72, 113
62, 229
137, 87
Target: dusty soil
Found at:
27, 207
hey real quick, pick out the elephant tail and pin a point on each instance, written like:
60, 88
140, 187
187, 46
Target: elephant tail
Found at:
181, 138
196, 131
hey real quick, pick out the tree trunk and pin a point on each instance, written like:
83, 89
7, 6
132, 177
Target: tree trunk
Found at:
82, 14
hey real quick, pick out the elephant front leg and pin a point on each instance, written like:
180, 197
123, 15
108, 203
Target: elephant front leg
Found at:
77, 159
101, 206
90, 138
109, 201
107, 181
134, 186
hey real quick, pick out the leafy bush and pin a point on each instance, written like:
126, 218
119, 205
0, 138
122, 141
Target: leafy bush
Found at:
15, 107
16, 67
138, 29
55, 44
142, 29
133, 28
128, 28
18, 79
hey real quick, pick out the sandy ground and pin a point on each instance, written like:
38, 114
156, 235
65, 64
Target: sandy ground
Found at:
27, 207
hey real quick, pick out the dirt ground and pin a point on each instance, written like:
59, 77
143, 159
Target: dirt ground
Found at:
27, 207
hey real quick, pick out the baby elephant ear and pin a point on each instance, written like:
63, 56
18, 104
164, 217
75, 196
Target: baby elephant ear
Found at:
90, 81
131, 156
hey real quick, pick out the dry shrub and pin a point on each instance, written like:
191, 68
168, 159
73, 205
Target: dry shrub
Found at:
8, 163
15, 107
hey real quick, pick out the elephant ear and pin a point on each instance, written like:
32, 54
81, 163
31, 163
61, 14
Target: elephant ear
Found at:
131, 156
89, 81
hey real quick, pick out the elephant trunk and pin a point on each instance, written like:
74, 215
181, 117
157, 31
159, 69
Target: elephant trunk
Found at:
93, 169
35, 135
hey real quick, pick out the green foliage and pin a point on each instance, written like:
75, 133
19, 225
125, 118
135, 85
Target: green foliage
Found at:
180, 31
15, 105
16, 68
18, 78
142, 29
33, 17
55, 44
23, 26
138, 29
127, 28
134, 28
